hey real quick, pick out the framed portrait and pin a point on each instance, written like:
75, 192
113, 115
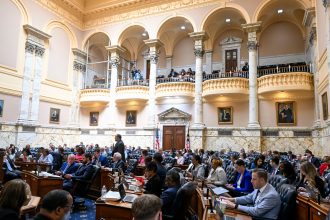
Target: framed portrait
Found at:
225, 115
54, 115
286, 113
325, 106
93, 118
130, 118
1, 107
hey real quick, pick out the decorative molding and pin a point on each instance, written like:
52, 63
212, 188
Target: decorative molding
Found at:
326, 3
175, 89
78, 66
174, 113
39, 51
97, 96
285, 82
136, 92
199, 52
231, 40
154, 58
252, 45
225, 86
115, 61
309, 16
29, 47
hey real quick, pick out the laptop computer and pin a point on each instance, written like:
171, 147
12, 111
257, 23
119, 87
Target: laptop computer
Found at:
220, 213
123, 196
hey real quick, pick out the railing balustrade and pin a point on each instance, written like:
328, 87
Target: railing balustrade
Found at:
287, 69
133, 82
240, 74
176, 79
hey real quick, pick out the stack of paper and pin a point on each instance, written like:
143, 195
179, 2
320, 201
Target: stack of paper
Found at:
111, 196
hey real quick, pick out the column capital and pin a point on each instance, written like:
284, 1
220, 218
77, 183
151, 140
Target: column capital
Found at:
156, 43
36, 36
198, 36
154, 57
115, 49
252, 45
115, 61
252, 27
39, 51
79, 66
79, 54
29, 47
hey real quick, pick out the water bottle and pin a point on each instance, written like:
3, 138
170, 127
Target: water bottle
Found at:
104, 190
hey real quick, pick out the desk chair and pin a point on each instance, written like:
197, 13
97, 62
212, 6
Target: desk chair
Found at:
276, 181
131, 166
80, 188
288, 196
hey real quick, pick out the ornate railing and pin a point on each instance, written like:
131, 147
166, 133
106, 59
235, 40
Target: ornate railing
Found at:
287, 69
133, 82
239, 74
176, 79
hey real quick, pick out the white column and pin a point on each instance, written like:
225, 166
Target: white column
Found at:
39, 52
168, 64
209, 67
198, 37
253, 83
154, 45
28, 67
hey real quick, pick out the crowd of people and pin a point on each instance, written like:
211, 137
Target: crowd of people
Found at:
244, 174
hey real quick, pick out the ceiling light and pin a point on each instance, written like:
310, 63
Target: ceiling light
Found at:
183, 27
144, 34
227, 20
279, 11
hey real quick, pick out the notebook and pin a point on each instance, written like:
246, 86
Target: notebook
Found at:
123, 196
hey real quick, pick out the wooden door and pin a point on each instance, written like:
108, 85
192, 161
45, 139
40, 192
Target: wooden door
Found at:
148, 69
173, 137
231, 60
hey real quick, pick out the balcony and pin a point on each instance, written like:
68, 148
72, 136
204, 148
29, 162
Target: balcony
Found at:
226, 83
132, 90
94, 97
296, 78
168, 87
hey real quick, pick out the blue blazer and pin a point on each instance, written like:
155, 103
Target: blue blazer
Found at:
168, 197
84, 172
104, 161
246, 185
71, 169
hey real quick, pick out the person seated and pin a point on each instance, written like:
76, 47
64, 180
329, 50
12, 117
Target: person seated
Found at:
153, 186
57, 157
147, 207
118, 163
259, 162
28, 149
84, 172
287, 170
291, 156
68, 167
245, 67
11, 172
56, 204
172, 74
197, 170
161, 170
14, 195
46, 157
325, 165
172, 182
310, 158
217, 175
179, 158
310, 184
25, 156
99, 159
242, 184
274, 163
264, 202
142, 158
79, 153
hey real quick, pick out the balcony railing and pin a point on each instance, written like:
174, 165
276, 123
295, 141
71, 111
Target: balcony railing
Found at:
287, 69
239, 74
176, 79
133, 82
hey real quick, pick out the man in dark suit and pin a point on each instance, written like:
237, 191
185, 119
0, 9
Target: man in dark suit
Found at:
161, 170
10, 169
274, 163
84, 172
310, 158
118, 163
264, 202
69, 167
153, 185
99, 159
119, 147
172, 181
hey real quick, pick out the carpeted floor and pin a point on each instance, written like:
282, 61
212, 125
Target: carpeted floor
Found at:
87, 214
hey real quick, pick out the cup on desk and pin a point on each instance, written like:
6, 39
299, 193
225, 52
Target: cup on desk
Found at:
116, 174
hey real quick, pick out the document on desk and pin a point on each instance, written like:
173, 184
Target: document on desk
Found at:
219, 190
111, 196
48, 175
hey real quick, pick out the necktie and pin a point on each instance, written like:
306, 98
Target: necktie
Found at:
255, 199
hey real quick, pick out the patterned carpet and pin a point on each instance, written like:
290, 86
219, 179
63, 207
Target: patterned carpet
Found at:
87, 214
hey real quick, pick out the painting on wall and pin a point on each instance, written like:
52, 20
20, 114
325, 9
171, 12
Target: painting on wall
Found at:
1, 107
93, 119
130, 118
225, 115
54, 115
285, 112
325, 106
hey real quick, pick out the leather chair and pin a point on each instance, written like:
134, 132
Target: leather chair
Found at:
327, 184
276, 181
288, 196
131, 166
231, 174
80, 188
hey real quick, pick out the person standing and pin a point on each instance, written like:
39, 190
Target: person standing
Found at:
119, 147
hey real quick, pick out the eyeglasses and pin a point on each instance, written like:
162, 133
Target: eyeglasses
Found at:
69, 206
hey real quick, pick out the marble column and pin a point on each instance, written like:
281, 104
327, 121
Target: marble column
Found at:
208, 56
114, 63
39, 52
26, 86
253, 83
168, 65
326, 4
198, 37
154, 45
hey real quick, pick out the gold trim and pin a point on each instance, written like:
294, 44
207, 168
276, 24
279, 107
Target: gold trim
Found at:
10, 71
56, 84
12, 92
294, 106
59, 115
321, 86
55, 101
323, 58
231, 115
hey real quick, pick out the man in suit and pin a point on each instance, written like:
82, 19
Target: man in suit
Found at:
172, 181
84, 172
118, 163
274, 163
10, 169
68, 167
119, 147
153, 185
99, 159
264, 202
310, 158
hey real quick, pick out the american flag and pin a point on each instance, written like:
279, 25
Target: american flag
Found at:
188, 141
157, 139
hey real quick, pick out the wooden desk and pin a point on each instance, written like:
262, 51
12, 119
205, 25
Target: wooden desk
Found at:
32, 166
307, 209
101, 179
40, 185
239, 216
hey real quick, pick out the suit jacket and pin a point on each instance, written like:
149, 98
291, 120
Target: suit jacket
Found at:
246, 185
153, 186
315, 161
268, 204
8, 214
119, 147
103, 160
84, 172
118, 165
167, 198
71, 169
